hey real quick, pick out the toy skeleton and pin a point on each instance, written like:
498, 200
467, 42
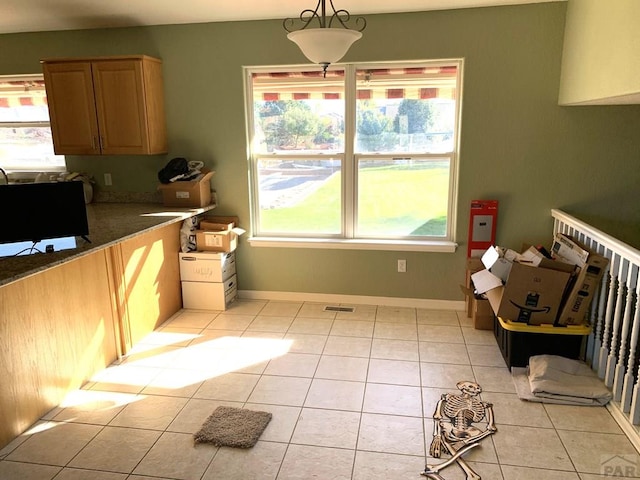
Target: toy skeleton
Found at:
454, 430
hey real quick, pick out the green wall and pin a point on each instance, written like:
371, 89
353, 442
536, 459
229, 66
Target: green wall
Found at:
518, 146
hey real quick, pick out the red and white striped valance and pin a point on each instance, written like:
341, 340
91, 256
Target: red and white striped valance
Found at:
274, 96
12, 102
22, 91
409, 93
446, 71
421, 83
365, 94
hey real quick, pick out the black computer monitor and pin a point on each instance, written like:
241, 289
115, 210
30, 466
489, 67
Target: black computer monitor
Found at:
40, 211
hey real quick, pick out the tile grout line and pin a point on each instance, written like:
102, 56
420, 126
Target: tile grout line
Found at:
364, 396
422, 400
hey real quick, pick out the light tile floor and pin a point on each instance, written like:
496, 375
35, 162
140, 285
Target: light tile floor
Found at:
352, 395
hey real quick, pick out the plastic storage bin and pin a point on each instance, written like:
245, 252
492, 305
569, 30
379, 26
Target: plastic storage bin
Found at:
518, 341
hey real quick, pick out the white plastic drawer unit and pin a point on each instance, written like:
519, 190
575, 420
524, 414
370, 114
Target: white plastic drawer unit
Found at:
209, 295
207, 266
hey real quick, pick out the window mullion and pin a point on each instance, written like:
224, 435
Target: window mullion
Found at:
254, 205
24, 124
349, 182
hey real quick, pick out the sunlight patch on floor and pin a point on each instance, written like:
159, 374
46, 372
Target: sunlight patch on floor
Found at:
200, 361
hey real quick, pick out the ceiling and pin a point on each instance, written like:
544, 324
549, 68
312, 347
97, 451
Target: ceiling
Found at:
45, 15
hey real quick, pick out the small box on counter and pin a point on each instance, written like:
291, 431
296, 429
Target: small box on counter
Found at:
193, 193
218, 234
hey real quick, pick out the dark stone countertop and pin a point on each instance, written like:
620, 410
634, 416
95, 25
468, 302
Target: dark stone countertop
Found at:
109, 223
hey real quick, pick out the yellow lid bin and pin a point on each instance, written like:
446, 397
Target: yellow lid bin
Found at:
519, 341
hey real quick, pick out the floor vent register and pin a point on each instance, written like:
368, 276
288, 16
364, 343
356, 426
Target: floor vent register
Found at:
334, 308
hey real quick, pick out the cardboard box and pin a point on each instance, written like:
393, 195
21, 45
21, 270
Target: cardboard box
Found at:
219, 220
533, 257
206, 266
473, 265
209, 295
218, 223
483, 216
215, 227
194, 193
212, 241
569, 250
218, 234
532, 295
480, 310
583, 289
482, 314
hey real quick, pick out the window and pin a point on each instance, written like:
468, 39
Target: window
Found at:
364, 156
25, 135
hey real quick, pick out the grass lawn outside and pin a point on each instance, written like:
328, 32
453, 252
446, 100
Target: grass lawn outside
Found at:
401, 200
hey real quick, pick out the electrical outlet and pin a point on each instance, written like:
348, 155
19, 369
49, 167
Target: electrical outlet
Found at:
107, 179
402, 266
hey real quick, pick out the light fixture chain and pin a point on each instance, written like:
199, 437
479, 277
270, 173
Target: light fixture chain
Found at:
308, 15
343, 16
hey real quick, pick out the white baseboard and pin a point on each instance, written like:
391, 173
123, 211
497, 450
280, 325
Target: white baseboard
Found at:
352, 299
631, 431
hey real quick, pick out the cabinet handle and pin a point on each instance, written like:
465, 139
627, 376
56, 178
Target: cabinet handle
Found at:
101, 142
93, 143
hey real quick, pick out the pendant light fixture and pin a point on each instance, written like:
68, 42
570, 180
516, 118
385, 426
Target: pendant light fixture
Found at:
328, 42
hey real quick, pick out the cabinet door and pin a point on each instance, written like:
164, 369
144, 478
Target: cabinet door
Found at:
72, 110
56, 332
148, 281
120, 102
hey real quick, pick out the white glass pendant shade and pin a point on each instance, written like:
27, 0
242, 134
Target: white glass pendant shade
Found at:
324, 45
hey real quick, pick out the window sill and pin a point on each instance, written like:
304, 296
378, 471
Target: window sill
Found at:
19, 176
360, 244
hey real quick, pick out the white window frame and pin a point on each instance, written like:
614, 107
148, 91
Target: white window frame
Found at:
346, 239
15, 172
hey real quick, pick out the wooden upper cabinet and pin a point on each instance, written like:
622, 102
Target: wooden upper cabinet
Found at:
106, 105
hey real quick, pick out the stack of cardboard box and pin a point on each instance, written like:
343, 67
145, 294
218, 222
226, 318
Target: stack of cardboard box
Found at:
540, 299
208, 276
535, 287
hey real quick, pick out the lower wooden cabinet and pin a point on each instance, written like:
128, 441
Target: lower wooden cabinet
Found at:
62, 325
57, 330
147, 282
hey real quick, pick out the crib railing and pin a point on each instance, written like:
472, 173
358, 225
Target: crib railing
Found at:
612, 347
